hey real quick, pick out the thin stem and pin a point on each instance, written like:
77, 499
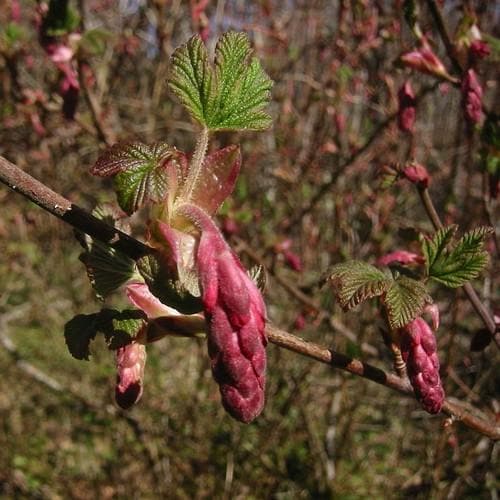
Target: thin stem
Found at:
196, 164
474, 299
450, 49
62, 208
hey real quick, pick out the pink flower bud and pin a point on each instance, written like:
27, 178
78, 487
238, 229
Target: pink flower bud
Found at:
401, 257
418, 348
472, 96
417, 174
426, 61
479, 49
235, 314
293, 260
406, 109
130, 363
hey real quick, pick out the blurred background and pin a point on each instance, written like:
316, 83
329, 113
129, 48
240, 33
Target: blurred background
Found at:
309, 196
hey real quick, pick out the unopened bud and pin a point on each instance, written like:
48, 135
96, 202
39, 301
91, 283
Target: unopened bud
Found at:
130, 363
472, 97
426, 61
235, 314
418, 348
479, 49
406, 109
417, 174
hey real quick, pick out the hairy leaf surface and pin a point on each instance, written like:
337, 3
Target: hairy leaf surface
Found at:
405, 300
355, 281
228, 96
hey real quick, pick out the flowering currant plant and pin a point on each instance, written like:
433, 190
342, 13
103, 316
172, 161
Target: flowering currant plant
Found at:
192, 283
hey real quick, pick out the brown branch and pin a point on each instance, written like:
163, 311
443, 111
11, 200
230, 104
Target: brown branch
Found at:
21, 182
474, 299
57, 205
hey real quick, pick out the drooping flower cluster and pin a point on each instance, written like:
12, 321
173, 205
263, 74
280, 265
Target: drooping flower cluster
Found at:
419, 351
235, 313
130, 363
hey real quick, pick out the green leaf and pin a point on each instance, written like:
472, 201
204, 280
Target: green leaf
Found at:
79, 332
453, 265
405, 300
168, 288
119, 328
433, 247
228, 96
465, 262
355, 281
123, 327
144, 173
107, 268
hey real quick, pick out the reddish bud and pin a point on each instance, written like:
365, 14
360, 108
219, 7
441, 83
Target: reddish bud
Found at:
472, 96
130, 363
406, 109
293, 260
300, 322
418, 347
426, 61
479, 49
417, 174
235, 314
401, 257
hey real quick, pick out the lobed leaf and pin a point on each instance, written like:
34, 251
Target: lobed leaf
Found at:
228, 96
405, 300
433, 247
455, 265
144, 172
165, 285
118, 327
79, 332
107, 268
191, 78
123, 327
356, 281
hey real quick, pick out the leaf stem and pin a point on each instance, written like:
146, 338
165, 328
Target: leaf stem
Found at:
196, 164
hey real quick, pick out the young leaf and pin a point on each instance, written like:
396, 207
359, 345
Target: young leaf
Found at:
355, 281
453, 267
433, 248
144, 172
123, 327
243, 88
164, 285
107, 268
405, 300
229, 96
79, 332
118, 327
